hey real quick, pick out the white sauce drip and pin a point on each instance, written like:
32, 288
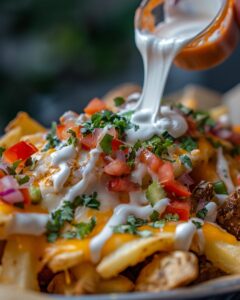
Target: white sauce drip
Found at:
212, 212
119, 216
223, 171
171, 121
28, 223
60, 159
87, 177
184, 235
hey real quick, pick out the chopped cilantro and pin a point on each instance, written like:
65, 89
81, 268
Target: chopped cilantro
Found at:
154, 216
51, 138
89, 201
23, 180
80, 230
66, 213
197, 224
159, 144
201, 214
203, 119
107, 118
12, 169
171, 217
188, 143
106, 144
119, 101
183, 109
132, 153
131, 226
186, 161
159, 224
132, 220
72, 140
2, 150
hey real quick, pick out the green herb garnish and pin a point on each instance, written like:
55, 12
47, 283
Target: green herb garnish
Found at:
131, 226
23, 180
186, 162
119, 101
197, 224
106, 144
189, 144
72, 140
12, 169
107, 118
201, 214
80, 230
66, 213
52, 139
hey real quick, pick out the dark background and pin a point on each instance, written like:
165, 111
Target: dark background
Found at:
56, 55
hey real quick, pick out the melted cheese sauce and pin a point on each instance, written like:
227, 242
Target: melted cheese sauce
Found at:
119, 217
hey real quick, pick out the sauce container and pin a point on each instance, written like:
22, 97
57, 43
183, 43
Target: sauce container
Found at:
210, 48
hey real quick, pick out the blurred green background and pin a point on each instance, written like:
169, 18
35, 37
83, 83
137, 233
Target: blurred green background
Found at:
56, 55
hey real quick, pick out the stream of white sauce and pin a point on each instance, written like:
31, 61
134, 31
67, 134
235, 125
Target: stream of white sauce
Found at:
182, 23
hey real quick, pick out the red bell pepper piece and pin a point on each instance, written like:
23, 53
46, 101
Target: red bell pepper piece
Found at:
20, 151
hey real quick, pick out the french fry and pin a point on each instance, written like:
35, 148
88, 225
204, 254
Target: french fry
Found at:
66, 260
222, 249
21, 126
26, 123
132, 253
11, 137
19, 267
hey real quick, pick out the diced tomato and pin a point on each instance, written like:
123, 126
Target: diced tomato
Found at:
165, 173
90, 141
63, 134
26, 196
177, 189
122, 185
166, 177
151, 160
117, 168
181, 208
94, 106
20, 151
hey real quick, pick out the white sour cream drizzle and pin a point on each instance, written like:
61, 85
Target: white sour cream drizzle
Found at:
28, 223
60, 159
184, 235
119, 217
212, 212
223, 171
